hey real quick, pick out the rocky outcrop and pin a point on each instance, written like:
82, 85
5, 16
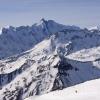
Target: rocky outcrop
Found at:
8, 77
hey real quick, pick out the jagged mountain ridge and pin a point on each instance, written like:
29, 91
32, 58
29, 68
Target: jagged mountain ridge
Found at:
64, 59
15, 40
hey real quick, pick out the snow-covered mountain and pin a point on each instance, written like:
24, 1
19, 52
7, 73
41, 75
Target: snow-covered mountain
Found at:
94, 29
59, 57
0, 31
14, 40
85, 91
65, 58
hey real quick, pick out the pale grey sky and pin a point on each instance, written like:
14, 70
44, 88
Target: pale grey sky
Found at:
70, 12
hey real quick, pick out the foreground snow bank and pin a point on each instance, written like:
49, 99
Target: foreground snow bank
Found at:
86, 91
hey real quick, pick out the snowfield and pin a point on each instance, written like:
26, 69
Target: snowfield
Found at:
86, 55
85, 91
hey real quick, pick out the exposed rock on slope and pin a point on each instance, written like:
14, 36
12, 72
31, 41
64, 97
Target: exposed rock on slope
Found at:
66, 58
86, 91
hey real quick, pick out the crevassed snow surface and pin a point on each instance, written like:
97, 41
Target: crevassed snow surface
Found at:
86, 91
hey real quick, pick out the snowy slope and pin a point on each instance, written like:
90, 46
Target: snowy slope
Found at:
95, 28
86, 91
64, 59
0, 31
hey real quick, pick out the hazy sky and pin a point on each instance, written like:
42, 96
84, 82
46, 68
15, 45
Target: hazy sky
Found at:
72, 12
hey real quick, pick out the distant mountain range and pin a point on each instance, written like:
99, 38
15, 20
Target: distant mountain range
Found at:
14, 40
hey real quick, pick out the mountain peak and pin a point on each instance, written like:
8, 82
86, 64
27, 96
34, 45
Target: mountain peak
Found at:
95, 28
43, 20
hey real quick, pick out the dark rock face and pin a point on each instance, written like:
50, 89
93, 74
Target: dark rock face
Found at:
61, 80
14, 95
